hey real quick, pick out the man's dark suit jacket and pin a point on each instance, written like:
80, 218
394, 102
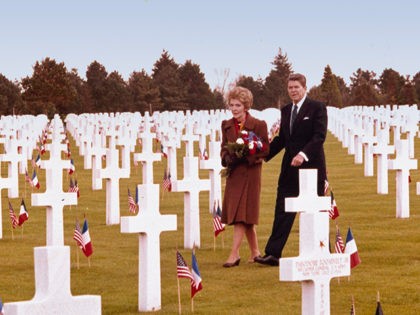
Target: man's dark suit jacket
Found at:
308, 135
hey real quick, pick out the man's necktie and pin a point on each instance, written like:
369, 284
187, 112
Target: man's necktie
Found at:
294, 114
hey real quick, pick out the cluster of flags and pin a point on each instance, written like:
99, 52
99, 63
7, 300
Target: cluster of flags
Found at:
82, 238
23, 215
183, 271
350, 248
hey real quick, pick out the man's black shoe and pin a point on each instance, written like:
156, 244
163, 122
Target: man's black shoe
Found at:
268, 260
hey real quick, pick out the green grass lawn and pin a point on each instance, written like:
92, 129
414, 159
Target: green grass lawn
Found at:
389, 248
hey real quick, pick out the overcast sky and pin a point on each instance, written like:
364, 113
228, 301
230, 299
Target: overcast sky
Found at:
240, 36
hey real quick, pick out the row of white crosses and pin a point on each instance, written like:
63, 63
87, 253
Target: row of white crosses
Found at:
148, 222
19, 136
368, 127
52, 262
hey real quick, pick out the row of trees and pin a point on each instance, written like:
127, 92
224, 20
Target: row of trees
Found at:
54, 89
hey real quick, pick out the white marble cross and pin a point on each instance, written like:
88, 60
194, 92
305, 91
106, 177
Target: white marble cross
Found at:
402, 164
149, 223
5, 182
214, 165
88, 156
97, 151
54, 198
124, 140
381, 149
368, 140
112, 173
191, 185
147, 156
171, 143
12, 157
315, 266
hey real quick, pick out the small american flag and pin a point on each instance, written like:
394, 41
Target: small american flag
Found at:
218, 226
182, 269
76, 188
132, 206
167, 181
13, 217
339, 243
72, 187
27, 177
77, 235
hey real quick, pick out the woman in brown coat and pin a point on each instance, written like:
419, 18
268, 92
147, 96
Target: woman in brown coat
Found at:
241, 200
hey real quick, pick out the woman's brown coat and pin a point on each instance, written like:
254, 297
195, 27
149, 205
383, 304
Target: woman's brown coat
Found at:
241, 201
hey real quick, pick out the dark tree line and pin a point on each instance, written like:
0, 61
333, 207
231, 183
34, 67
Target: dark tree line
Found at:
52, 88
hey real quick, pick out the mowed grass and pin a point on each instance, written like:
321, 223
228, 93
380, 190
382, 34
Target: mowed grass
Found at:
389, 247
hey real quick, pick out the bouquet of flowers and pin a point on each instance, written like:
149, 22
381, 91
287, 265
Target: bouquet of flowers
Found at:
248, 143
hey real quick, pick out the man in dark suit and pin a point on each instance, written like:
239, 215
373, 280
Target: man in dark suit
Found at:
303, 140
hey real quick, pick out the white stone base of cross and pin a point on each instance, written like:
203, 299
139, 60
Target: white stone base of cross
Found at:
149, 223
52, 287
315, 265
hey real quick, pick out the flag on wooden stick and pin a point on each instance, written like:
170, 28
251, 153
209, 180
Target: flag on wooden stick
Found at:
87, 243
339, 244
196, 284
182, 269
351, 249
167, 184
23, 213
14, 220
218, 226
